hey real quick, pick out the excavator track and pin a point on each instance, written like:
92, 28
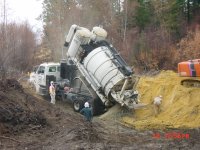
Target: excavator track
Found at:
191, 83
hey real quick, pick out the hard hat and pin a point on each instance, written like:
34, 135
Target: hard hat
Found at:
86, 104
51, 82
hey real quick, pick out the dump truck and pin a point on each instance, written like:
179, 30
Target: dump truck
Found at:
99, 68
95, 71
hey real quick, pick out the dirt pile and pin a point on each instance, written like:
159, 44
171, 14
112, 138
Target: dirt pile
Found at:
180, 107
18, 110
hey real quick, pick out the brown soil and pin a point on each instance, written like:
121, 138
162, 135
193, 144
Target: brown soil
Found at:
28, 121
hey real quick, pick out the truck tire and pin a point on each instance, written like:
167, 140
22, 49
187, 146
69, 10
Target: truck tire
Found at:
77, 105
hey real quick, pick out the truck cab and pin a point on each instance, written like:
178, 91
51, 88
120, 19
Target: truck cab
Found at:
46, 73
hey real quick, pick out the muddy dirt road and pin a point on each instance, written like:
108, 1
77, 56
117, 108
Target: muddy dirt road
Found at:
29, 122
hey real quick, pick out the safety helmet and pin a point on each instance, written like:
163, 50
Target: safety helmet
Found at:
51, 82
86, 104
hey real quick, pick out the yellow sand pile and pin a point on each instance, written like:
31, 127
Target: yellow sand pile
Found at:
180, 107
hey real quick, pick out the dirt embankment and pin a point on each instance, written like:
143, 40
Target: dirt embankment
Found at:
18, 109
30, 122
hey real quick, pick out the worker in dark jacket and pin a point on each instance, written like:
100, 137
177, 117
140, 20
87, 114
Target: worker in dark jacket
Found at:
87, 112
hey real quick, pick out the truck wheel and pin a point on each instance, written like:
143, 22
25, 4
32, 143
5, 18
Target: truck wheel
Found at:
77, 105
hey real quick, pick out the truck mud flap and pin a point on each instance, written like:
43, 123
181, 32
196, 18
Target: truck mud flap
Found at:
98, 107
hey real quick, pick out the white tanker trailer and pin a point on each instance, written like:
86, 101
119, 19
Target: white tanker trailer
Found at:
96, 69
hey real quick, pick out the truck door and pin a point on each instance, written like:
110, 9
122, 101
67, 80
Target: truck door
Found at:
40, 78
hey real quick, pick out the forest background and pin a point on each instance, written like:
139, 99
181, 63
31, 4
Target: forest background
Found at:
149, 34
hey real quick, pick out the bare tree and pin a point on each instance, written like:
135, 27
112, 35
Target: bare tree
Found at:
17, 45
3, 46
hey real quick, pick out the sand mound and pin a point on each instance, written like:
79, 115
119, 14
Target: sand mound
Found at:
112, 113
180, 106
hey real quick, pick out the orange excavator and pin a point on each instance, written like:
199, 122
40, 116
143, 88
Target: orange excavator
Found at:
191, 70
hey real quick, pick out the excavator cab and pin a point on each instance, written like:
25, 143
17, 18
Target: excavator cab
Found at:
191, 70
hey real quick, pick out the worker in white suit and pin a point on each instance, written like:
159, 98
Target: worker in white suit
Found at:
52, 92
157, 102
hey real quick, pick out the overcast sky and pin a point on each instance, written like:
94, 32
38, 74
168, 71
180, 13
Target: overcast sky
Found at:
22, 10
